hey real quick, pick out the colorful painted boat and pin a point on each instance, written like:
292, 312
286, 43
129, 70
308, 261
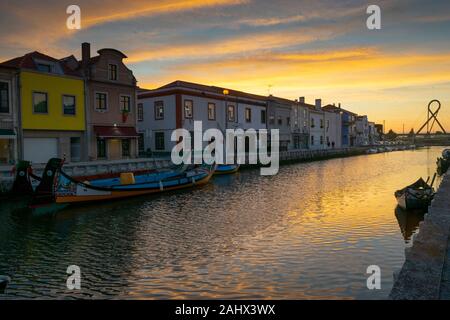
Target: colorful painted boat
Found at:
227, 168
60, 188
415, 196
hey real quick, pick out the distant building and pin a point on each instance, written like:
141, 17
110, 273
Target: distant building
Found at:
316, 125
362, 131
300, 124
333, 130
180, 103
9, 129
373, 134
52, 108
279, 112
348, 121
380, 130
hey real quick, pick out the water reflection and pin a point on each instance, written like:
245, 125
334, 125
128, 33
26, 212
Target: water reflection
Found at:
408, 222
308, 232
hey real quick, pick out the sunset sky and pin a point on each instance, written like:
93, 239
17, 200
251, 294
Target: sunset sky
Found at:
290, 48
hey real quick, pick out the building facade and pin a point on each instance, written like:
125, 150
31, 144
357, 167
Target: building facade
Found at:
362, 131
178, 104
348, 125
111, 96
316, 125
279, 111
300, 125
333, 130
8, 115
52, 110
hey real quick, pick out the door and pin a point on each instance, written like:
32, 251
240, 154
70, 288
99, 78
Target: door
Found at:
75, 149
40, 150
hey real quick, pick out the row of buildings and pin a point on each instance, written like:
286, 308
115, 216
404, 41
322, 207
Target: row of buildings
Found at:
92, 109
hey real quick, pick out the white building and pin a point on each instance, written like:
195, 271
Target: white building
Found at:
316, 125
300, 124
333, 130
179, 104
362, 131
279, 112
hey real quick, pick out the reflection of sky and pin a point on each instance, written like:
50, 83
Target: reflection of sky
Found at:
299, 48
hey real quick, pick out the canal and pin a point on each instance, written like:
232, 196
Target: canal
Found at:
309, 232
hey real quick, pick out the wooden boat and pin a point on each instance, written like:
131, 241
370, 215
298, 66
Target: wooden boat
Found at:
415, 196
60, 188
443, 163
226, 168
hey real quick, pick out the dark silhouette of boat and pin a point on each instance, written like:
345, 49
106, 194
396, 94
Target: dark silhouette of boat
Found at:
416, 196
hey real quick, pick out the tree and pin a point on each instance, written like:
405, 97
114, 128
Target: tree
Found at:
411, 133
391, 135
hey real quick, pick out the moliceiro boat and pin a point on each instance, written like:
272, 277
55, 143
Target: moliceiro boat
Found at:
60, 188
226, 168
415, 196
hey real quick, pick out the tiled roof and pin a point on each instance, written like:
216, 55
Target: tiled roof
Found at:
330, 107
212, 89
27, 62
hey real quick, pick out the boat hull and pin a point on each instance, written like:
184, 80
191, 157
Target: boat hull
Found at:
226, 169
69, 191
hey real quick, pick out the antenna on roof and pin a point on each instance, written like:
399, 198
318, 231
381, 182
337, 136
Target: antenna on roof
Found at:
269, 87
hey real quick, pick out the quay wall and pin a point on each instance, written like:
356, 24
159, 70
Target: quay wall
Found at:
425, 272
88, 168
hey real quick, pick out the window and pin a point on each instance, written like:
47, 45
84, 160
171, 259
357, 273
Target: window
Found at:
188, 109
44, 67
312, 140
280, 120
321, 123
140, 112
100, 101
248, 115
112, 72
231, 114
4, 97
159, 110
288, 121
69, 105
141, 145
263, 116
125, 103
125, 147
159, 141
211, 111
101, 148
321, 139
312, 123
272, 119
40, 102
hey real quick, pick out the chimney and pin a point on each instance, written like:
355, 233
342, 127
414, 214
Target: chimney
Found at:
339, 105
301, 99
318, 103
85, 53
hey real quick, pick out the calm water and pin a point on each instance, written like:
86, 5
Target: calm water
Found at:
309, 232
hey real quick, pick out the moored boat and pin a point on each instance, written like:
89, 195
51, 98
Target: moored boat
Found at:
415, 196
226, 168
443, 163
57, 187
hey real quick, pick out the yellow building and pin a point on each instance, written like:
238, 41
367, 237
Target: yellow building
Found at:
52, 108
